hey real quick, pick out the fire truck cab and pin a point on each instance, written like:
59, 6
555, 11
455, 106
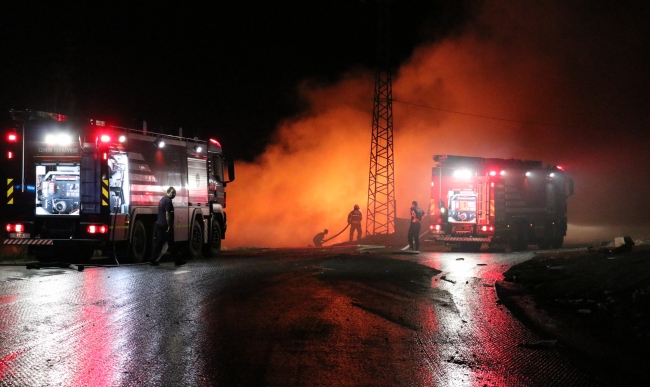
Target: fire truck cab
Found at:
75, 186
505, 203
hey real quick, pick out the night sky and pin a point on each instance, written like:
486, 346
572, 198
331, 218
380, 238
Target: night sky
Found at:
225, 68
287, 88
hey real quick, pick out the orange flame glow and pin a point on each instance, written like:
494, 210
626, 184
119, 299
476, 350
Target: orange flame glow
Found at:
510, 84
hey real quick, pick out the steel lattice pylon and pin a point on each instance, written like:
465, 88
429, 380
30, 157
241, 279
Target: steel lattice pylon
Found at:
380, 218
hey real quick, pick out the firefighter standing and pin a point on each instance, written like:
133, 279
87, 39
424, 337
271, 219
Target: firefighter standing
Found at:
354, 220
318, 239
165, 228
414, 228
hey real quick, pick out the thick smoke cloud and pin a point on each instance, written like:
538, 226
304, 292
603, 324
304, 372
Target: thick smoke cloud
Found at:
563, 82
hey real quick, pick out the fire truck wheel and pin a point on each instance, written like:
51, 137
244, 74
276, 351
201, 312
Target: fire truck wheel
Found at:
140, 243
558, 241
518, 241
214, 244
196, 240
544, 243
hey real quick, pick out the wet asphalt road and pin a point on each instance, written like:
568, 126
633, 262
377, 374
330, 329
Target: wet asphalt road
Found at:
304, 317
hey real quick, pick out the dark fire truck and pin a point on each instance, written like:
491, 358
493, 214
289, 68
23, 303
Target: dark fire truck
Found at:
78, 185
505, 203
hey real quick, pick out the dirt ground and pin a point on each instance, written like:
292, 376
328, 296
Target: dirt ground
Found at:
591, 301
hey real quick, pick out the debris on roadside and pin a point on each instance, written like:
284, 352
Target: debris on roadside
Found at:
444, 278
621, 245
460, 259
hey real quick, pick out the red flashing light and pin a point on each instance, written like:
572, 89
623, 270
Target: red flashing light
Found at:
105, 138
97, 229
560, 168
215, 142
10, 155
438, 227
105, 156
12, 137
493, 173
487, 228
15, 227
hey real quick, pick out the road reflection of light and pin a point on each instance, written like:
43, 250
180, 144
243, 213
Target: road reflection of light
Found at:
92, 344
467, 343
180, 359
71, 330
191, 346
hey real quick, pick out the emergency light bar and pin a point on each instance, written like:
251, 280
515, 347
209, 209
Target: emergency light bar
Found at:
108, 138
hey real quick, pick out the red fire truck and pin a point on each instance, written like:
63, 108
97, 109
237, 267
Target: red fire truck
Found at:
505, 203
78, 185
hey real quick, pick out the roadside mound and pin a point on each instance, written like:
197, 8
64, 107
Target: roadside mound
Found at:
591, 300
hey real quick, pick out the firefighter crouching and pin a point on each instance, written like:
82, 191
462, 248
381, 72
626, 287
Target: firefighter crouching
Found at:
354, 220
318, 239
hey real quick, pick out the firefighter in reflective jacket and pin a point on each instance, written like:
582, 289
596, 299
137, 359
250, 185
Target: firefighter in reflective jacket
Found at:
354, 220
414, 228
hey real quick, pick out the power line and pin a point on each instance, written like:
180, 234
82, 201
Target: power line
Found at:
482, 116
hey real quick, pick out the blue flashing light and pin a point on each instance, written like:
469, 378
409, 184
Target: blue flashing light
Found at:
31, 188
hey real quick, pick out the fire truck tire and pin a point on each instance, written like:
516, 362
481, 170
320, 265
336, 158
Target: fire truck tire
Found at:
213, 247
518, 241
141, 242
196, 240
543, 244
558, 241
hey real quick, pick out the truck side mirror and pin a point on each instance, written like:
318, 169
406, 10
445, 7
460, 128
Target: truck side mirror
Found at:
231, 171
570, 181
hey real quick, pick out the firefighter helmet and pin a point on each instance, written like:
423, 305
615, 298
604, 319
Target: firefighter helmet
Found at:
356, 206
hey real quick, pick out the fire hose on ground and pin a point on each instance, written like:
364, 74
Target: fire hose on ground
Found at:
340, 232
